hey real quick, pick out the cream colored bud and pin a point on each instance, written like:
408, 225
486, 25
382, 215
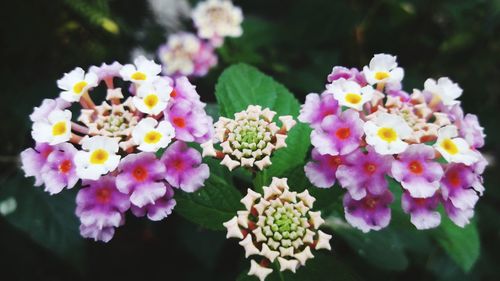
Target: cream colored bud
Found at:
285, 264
259, 271
323, 241
229, 163
287, 121
233, 230
208, 149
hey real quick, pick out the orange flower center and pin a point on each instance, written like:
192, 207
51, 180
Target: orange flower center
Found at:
65, 166
343, 133
416, 167
179, 122
139, 173
103, 195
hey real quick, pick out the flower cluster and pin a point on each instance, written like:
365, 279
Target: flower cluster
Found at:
113, 147
188, 54
249, 139
367, 130
278, 225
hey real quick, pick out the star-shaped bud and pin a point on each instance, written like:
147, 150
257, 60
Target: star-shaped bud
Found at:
208, 149
323, 241
250, 248
233, 230
288, 264
303, 256
259, 271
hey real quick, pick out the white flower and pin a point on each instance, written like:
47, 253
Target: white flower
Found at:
350, 93
217, 19
76, 83
178, 55
383, 68
444, 89
97, 157
452, 148
150, 135
144, 71
55, 129
386, 132
152, 98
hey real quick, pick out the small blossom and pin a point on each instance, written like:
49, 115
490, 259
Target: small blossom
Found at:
106, 71
152, 98
318, 107
471, 131
151, 135
372, 212
97, 157
444, 90
453, 148
362, 173
383, 68
417, 172
42, 112
76, 83
278, 226
386, 133
55, 129
60, 170
321, 171
141, 177
101, 208
338, 135
422, 210
191, 122
216, 19
349, 93
142, 71
159, 209
184, 167
457, 186
460, 217
33, 161
185, 54
250, 138
353, 74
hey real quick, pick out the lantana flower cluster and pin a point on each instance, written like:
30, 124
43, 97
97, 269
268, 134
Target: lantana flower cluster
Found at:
249, 139
368, 131
188, 54
113, 147
278, 226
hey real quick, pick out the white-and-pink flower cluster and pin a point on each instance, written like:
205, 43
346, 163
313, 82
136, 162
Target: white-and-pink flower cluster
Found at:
112, 147
366, 130
187, 54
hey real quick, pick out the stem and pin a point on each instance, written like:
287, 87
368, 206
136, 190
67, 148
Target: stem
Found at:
87, 100
75, 139
79, 128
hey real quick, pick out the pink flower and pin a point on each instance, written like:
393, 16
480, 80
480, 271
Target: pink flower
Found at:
364, 172
458, 216
106, 72
417, 171
48, 105
191, 123
184, 90
141, 176
317, 107
471, 131
100, 207
348, 74
338, 135
372, 212
321, 171
159, 209
184, 167
422, 210
33, 160
59, 171
456, 186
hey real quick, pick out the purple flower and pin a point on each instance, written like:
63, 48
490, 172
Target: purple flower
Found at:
60, 172
317, 107
396, 90
364, 172
100, 206
159, 209
422, 211
460, 217
48, 105
471, 131
353, 74
141, 176
417, 172
184, 167
370, 213
338, 135
456, 186
184, 90
33, 160
191, 123
321, 171
106, 72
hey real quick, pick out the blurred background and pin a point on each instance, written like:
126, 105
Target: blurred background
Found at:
297, 42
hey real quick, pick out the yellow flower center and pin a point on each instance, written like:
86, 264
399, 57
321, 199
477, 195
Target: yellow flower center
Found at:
59, 128
78, 87
152, 137
99, 156
151, 100
353, 98
139, 76
387, 134
381, 75
449, 146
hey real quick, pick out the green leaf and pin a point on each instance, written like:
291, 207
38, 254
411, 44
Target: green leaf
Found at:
242, 85
461, 244
213, 204
48, 220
